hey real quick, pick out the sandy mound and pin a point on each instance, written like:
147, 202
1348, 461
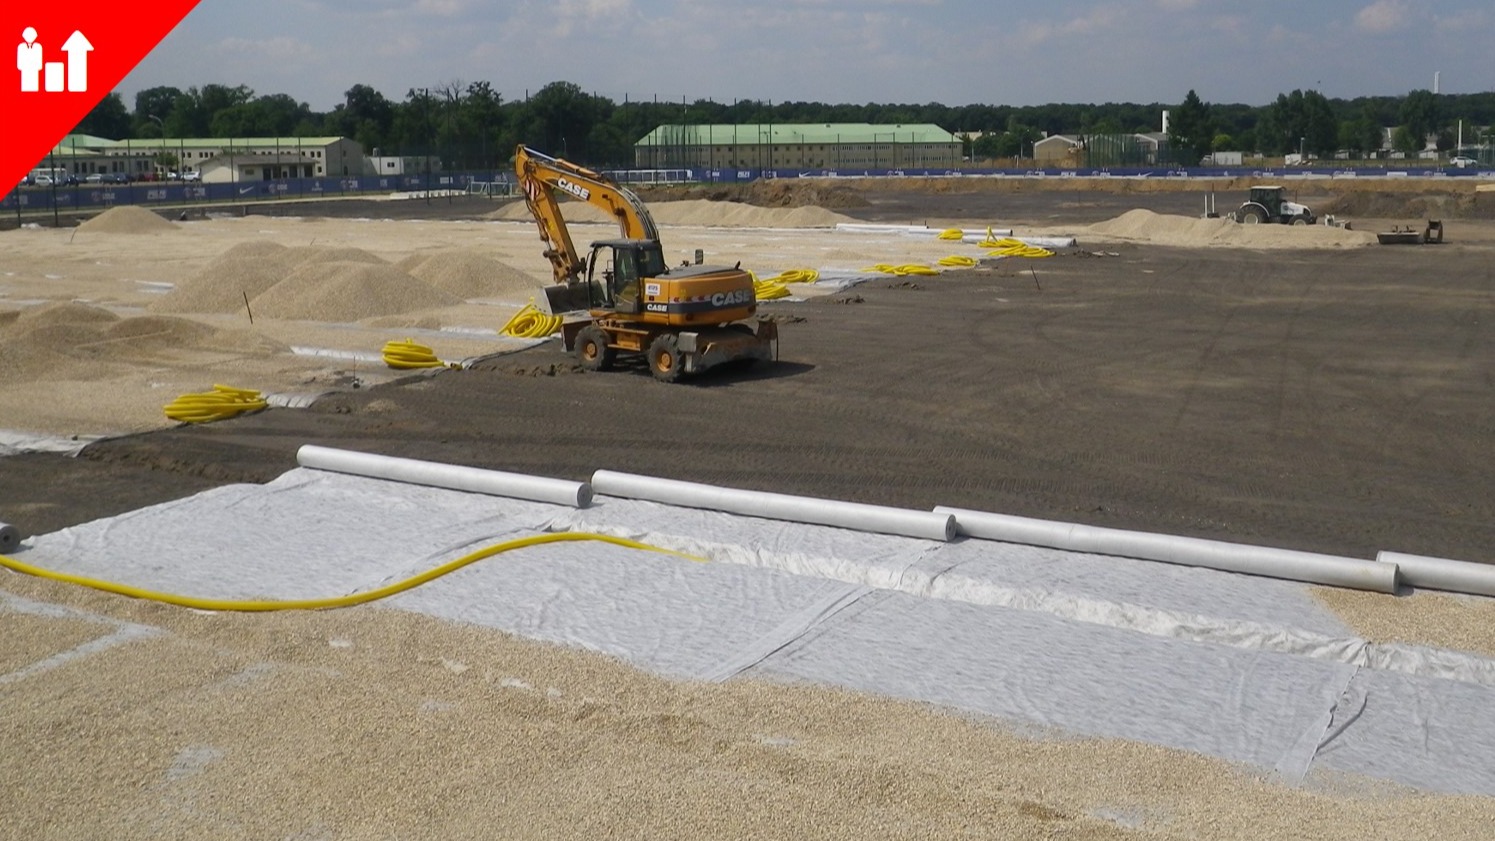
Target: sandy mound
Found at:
466, 274
250, 269
1195, 232
347, 291
76, 341
127, 219
574, 211
702, 212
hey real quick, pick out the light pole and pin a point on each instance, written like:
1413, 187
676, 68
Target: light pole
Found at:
1300, 150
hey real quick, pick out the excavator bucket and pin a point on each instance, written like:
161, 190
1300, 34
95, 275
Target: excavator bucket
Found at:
562, 298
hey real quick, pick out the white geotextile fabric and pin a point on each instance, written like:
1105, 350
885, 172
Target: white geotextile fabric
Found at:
1247, 669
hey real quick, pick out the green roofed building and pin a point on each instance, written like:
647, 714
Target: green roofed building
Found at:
798, 146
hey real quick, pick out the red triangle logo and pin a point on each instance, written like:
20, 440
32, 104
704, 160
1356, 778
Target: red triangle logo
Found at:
68, 57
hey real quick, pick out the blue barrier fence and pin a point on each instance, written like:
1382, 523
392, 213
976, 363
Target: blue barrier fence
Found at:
88, 196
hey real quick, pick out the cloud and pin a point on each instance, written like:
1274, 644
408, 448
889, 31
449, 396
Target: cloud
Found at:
1382, 16
281, 48
1178, 5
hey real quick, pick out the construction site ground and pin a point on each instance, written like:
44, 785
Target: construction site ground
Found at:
1333, 399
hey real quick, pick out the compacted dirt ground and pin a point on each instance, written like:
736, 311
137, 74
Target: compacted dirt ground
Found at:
1322, 400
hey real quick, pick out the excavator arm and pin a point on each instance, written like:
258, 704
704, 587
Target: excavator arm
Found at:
543, 178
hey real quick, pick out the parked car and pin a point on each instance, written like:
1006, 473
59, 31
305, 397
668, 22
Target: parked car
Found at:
42, 181
1461, 161
94, 178
192, 175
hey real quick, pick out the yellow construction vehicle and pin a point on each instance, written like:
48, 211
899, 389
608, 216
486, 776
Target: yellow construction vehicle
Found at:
623, 297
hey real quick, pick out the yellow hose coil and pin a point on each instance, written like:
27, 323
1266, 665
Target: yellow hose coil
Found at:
408, 354
530, 323
1009, 247
333, 601
793, 276
222, 402
958, 261
952, 234
765, 291
903, 270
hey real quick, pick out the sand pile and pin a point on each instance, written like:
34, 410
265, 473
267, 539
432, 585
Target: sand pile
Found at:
127, 219
466, 274
347, 291
77, 341
1194, 232
701, 212
251, 269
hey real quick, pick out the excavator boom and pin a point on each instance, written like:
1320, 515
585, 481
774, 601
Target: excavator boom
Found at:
543, 178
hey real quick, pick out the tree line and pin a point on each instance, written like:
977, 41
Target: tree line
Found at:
471, 126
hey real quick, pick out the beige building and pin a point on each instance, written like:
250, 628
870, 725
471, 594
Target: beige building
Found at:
798, 146
292, 157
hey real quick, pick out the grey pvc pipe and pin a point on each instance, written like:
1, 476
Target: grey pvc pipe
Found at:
451, 476
10, 538
1188, 551
1442, 573
799, 509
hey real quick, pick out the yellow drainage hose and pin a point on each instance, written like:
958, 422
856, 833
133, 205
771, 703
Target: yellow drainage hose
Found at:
958, 261
408, 354
794, 276
222, 402
530, 323
903, 270
952, 234
768, 289
1009, 247
334, 601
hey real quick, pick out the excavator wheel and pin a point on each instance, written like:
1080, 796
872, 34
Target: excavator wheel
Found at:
664, 358
1300, 220
592, 350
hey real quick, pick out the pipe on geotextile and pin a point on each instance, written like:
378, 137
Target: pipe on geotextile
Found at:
450, 476
1188, 551
1442, 573
799, 509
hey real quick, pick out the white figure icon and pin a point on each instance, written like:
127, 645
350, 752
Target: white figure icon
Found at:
37, 74
29, 61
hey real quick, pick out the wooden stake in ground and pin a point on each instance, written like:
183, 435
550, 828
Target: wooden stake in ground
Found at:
245, 293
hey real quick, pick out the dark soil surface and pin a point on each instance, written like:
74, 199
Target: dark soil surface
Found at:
1328, 401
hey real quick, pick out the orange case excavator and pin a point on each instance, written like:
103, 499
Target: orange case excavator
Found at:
623, 297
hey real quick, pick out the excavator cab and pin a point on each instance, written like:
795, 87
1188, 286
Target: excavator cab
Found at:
617, 268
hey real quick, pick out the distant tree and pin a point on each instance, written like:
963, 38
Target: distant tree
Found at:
156, 102
1404, 140
364, 115
1191, 129
989, 146
108, 119
1320, 126
1361, 135
1222, 143
1420, 114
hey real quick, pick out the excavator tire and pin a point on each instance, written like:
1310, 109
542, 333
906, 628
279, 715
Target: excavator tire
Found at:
592, 350
1300, 220
664, 358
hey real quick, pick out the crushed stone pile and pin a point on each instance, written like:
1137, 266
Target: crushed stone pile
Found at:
127, 219
251, 269
702, 212
1193, 232
78, 341
466, 274
348, 291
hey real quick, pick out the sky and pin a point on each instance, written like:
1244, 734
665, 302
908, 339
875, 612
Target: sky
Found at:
954, 52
